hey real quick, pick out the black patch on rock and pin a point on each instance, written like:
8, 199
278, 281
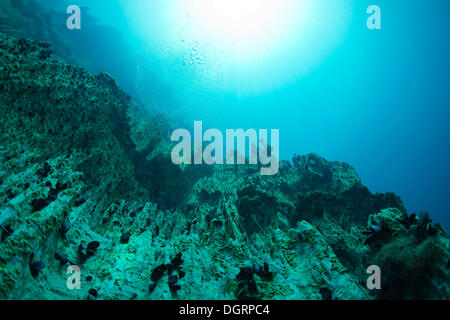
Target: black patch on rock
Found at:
39, 204
247, 288
6, 232
158, 272
61, 257
93, 245
125, 238
93, 292
65, 227
36, 266
326, 293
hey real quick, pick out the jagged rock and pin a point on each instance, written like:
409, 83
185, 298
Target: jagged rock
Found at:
79, 159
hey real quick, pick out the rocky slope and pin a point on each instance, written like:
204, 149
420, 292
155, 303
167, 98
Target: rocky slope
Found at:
27, 19
86, 179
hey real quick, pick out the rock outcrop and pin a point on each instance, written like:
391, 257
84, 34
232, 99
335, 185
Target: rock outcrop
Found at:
86, 180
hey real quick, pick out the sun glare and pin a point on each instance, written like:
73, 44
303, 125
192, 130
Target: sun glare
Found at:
247, 24
245, 45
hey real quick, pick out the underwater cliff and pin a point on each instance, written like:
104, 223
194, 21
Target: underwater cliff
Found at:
86, 179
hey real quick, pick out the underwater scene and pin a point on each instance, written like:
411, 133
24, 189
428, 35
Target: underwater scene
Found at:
224, 150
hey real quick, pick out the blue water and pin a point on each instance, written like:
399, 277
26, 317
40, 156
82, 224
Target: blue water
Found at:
378, 100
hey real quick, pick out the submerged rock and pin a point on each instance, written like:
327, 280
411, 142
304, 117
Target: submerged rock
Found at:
80, 159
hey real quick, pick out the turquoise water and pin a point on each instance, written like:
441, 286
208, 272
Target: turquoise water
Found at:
377, 99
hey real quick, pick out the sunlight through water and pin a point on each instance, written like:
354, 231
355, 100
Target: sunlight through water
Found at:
246, 46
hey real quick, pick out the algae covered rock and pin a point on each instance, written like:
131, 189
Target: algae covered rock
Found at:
390, 220
414, 258
86, 180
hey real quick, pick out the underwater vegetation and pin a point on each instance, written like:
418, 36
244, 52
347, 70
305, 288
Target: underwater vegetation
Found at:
86, 179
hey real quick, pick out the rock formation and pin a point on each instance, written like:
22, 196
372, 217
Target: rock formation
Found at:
86, 179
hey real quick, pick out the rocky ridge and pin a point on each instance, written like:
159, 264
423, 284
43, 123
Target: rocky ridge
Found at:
86, 179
